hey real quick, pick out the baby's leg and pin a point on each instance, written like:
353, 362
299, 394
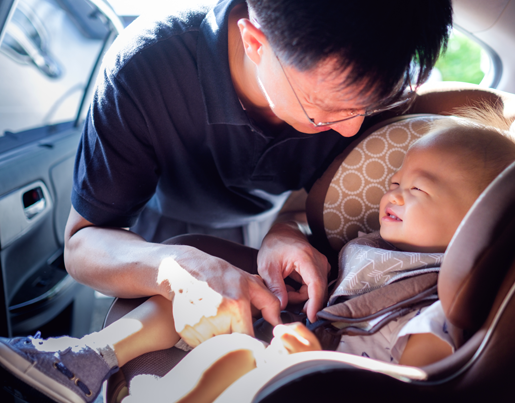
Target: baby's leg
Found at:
202, 375
217, 363
147, 328
67, 369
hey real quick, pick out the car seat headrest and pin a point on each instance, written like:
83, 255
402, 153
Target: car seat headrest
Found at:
346, 198
480, 254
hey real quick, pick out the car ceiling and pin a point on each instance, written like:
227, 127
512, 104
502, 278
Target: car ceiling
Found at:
493, 23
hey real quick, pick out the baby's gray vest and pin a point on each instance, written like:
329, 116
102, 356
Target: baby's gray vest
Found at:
377, 283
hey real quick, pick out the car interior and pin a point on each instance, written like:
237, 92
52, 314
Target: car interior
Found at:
50, 52
36, 164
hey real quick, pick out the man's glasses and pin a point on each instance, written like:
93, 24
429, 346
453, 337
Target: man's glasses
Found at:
406, 101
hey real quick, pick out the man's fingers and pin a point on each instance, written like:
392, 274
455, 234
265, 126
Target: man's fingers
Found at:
316, 282
317, 291
233, 317
316, 299
265, 301
274, 281
298, 296
242, 322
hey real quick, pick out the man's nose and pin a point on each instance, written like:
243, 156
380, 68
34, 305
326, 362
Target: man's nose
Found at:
348, 128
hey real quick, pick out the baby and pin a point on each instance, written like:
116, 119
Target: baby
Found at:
442, 175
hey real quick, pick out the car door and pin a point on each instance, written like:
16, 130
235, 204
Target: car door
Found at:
50, 50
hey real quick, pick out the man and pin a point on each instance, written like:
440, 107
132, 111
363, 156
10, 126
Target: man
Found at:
204, 120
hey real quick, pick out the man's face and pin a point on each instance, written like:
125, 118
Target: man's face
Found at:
428, 198
318, 91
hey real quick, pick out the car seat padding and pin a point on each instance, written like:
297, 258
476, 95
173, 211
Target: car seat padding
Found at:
346, 198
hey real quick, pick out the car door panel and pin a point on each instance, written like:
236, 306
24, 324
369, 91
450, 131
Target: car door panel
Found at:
40, 127
37, 286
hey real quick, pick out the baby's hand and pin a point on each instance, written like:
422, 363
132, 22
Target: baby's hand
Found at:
293, 338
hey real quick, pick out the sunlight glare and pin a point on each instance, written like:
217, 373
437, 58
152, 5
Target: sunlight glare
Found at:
137, 7
193, 299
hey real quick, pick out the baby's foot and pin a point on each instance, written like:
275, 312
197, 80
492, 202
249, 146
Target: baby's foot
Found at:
63, 369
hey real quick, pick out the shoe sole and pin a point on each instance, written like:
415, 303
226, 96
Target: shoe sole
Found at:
26, 372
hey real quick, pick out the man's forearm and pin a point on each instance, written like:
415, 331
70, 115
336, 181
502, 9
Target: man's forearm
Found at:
118, 262
209, 295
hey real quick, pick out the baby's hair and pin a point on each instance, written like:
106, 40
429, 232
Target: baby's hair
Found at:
488, 115
481, 114
489, 145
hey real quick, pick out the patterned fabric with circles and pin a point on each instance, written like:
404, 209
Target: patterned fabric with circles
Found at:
352, 200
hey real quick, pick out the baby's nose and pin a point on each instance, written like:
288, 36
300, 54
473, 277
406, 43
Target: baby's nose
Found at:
396, 197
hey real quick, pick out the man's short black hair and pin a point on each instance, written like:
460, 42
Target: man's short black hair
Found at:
377, 39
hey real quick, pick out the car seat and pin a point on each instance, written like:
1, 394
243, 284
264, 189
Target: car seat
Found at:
476, 283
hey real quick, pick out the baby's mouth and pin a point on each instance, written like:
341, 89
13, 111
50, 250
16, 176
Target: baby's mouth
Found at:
390, 214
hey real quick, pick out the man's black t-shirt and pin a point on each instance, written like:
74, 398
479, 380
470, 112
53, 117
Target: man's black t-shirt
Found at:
166, 124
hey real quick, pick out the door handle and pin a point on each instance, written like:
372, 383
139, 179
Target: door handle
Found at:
22, 209
33, 202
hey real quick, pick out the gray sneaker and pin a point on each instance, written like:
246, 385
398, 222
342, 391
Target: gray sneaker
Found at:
63, 369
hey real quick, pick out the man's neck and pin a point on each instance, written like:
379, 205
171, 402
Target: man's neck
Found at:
244, 76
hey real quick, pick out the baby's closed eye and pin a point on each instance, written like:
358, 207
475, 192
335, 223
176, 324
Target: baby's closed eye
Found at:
416, 189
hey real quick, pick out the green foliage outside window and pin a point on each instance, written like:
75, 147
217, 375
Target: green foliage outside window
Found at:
462, 61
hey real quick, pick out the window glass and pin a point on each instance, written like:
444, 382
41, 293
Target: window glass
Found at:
46, 58
464, 60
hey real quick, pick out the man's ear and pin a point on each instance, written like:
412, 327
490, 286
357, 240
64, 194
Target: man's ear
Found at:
253, 39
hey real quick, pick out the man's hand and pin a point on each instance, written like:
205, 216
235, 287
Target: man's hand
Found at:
213, 297
285, 251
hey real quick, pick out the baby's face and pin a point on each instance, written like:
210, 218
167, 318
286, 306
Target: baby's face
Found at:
428, 198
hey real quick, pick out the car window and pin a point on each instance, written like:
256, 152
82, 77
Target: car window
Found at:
44, 72
464, 60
